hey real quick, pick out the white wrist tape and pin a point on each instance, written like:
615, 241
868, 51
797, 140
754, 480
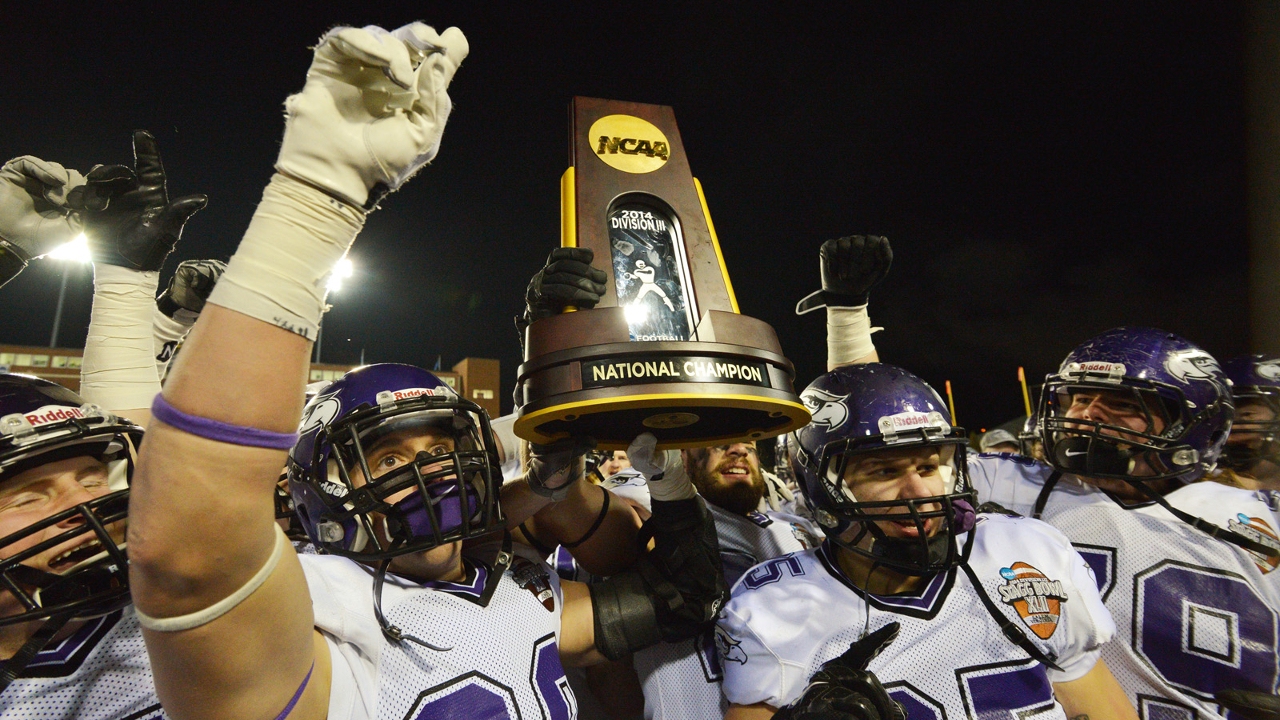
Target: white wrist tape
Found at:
848, 335
223, 606
280, 272
119, 370
166, 334
674, 483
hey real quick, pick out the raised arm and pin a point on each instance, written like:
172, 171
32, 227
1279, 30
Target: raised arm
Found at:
179, 306
850, 267
34, 217
132, 226
229, 628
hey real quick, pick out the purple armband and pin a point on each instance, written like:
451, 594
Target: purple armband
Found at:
219, 431
297, 695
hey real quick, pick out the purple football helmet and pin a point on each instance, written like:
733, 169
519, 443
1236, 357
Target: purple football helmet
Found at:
861, 409
43, 423
1156, 378
1256, 389
349, 464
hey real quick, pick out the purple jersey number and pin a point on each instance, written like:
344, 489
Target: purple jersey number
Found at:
477, 697
997, 691
1204, 630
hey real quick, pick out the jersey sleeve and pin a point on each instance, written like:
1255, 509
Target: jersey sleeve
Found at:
752, 672
1088, 626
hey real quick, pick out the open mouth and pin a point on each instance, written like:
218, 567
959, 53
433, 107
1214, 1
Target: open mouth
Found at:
735, 471
90, 549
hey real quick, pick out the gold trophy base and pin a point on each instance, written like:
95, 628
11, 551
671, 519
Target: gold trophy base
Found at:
688, 394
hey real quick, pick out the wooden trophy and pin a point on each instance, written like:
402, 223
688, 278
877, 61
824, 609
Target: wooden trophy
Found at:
666, 350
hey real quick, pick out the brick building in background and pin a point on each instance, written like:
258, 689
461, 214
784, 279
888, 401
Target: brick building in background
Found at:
476, 379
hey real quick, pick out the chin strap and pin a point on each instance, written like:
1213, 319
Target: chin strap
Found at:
1211, 529
1043, 498
14, 666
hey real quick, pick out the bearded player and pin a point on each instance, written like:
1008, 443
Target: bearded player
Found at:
1130, 418
997, 616
390, 471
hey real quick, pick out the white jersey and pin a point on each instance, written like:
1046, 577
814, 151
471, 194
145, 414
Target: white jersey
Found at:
681, 681
504, 661
99, 673
1195, 615
791, 614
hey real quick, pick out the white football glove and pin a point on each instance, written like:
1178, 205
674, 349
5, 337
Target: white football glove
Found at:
34, 218
663, 470
778, 494
373, 109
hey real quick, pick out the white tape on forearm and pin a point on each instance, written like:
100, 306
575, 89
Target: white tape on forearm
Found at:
119, 368
848, 335
223, 606
166, 333
280, 273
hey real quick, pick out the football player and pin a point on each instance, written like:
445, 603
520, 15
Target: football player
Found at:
393, 469
70, 642
1252, 451
1129, 419
998, 616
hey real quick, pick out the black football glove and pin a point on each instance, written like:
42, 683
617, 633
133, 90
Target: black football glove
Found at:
127, 214
190, 287
850, 266
1251, 705
843, 689
567, 279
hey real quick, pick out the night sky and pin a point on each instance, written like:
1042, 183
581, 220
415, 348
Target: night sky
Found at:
1044, 173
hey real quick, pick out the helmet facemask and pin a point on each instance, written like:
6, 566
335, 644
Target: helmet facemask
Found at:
923, 554
1109, 450
426, 502
96, 580
1262, 441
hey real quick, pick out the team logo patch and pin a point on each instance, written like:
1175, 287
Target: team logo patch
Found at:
322, 411
759, 518
1191, 364
826, 409
730, 650
1037, 599
534, 578
1257, 530
1269, 370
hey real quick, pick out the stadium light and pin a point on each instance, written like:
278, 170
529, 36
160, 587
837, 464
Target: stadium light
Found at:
342, 271
75, 250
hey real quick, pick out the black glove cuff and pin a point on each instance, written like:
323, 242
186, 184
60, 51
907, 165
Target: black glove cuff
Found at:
11, 262
677, 515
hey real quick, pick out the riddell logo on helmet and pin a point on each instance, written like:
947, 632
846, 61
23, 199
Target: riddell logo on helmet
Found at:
52, 414
1109, 369
911, 421
387, 396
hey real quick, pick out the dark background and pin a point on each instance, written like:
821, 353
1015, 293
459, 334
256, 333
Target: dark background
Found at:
1044, 173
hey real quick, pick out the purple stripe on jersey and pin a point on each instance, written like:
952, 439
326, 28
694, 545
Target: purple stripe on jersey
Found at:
297, 695
475, 587
923, 600
59, 653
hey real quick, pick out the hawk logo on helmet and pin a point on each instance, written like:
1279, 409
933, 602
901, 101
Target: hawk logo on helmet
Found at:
323, 410
826, 409
1269, 369
1191, 364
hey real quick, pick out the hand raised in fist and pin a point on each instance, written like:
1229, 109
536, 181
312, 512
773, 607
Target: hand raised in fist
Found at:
843, 689
553, 469
34, 218
373, 110
189, 288
850, 267
127, 214
567, 279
